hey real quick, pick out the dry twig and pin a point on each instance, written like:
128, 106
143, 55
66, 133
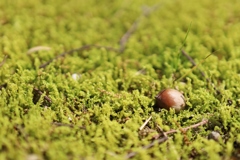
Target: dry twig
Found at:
3, 61
38, 48
203, 122
122, 43
195, 65
124, 39
40, 93
159, 140
3, 86
83, 48
192, 61
66, 125
145, 123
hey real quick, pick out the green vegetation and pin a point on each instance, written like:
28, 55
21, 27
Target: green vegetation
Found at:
46, 114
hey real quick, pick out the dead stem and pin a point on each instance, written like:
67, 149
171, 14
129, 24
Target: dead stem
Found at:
67, 125
203, 122
40, 93
194, 67
3, 86
3, 61
145, 123
126, 36
110, 93
86, 47
158, 140
193, 62
20, 130
38, 48
124, 39
122, 43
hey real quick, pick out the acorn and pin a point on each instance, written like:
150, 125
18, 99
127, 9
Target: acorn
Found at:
170, 98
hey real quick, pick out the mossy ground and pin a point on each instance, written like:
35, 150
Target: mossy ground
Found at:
115, 92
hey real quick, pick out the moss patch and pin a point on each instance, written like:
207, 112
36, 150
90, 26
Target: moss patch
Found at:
47, 113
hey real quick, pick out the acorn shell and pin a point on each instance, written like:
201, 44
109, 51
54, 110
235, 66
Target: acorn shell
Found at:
170, 98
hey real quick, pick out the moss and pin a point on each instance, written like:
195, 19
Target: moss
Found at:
46, 113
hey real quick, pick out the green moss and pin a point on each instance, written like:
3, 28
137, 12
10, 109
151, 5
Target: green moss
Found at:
44, 112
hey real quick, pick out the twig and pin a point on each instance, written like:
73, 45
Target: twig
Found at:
145, 123
110, 93
67, 125
20, 130
38, 48
86, 47
40, 93
124, 39
122, 42
194, 67
3, 86
203, 122
3, 61
193, 62
161, 131
158, 141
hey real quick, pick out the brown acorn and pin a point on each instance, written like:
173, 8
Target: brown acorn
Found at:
170, 98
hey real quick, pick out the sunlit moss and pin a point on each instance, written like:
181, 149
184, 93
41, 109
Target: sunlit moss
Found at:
48, 114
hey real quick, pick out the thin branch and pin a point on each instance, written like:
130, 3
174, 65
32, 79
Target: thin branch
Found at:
145, 123
203, 122
110, 93
158, 140
188, 57
86, 47
194, 67
161, 131
3, 61
3, 86
153, 143
192, 61
67, 125
122, 43
126, 36
38, 48
124, 39
20, 130
40, 93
